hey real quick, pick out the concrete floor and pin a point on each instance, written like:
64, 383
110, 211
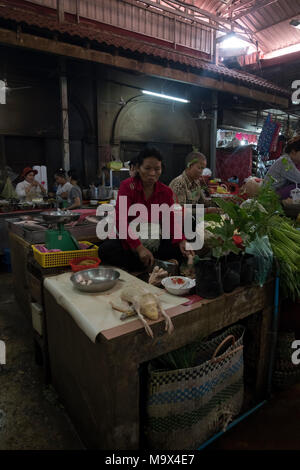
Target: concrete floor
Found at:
32, 418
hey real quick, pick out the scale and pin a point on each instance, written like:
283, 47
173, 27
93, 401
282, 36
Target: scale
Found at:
59, 237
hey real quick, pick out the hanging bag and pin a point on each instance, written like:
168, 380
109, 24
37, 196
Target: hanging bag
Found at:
187, 406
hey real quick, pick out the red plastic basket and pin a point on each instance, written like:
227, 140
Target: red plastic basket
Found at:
74, 263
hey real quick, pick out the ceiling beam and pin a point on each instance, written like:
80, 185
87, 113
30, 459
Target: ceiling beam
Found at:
255, 7
218, 19
176, 12
234, 6
38, 43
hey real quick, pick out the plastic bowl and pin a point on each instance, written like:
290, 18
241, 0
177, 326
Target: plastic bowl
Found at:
74, 263
177, 289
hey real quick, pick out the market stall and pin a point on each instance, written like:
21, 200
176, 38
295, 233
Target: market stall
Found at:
101, 379
29, 230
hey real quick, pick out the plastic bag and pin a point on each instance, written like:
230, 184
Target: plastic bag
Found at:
261, 249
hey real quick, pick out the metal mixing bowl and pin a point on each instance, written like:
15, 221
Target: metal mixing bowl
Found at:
58, 216
102, 279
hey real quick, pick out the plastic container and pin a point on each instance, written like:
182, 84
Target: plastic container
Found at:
74, 263
295, 195
62, 258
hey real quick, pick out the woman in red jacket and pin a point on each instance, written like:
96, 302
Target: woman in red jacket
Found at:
146, 189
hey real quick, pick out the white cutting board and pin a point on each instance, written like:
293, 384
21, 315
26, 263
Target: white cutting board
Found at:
92, 311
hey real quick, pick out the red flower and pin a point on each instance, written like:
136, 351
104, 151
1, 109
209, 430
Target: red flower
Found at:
238, 241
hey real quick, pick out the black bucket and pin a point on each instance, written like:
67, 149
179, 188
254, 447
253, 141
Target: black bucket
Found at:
247, 269
231, 272
208, 278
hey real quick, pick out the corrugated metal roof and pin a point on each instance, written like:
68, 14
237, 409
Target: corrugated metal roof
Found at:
95, 32
270, 23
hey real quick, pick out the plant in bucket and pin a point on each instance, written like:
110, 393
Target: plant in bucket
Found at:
219, 232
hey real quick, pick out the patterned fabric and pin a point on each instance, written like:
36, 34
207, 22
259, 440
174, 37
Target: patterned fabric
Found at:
186, 191
268, 136
279, 149
187, 406
234, 162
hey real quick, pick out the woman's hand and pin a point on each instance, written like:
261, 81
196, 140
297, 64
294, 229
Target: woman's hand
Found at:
184, 250
145, 255
42, 188
75, 205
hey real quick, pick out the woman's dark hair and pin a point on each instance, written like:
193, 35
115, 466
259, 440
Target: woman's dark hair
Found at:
73, 174
293, 144
133, 162
146, 153
60, 172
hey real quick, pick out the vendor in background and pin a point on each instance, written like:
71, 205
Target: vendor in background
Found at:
102, 177
144, 188
187, 187
75, 193
63, 185
132, 168
284, 174
29, 187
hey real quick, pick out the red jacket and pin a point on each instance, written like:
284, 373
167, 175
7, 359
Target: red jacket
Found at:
133, 189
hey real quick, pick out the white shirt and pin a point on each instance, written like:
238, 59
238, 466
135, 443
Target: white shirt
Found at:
34, 191
66, 188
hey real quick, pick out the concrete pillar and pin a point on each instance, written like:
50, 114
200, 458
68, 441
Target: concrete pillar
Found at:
213, 132
64, 115
60, 10
3, 172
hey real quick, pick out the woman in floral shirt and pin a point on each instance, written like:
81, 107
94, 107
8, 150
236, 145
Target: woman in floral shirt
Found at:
186, 187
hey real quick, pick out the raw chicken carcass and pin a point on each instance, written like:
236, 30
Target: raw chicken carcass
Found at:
146, 305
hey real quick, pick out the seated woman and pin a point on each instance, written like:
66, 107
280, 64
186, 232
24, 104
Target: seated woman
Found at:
63, 186
75, 194
284, 174
146, 189
187, 187
29, 188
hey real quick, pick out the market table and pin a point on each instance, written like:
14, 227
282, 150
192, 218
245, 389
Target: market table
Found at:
4, 240
21, 251
100, 378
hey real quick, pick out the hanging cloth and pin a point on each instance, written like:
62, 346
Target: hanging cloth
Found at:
266, 136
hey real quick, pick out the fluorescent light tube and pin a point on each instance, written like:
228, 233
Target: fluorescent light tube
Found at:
166, 97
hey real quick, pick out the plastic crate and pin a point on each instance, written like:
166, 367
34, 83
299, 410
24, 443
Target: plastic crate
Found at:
62, 258
76, 267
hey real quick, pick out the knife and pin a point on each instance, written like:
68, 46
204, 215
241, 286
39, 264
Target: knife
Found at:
171, 268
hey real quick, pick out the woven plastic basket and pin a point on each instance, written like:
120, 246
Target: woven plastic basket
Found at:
62, 258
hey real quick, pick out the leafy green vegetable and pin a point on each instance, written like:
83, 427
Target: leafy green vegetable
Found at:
181, 358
